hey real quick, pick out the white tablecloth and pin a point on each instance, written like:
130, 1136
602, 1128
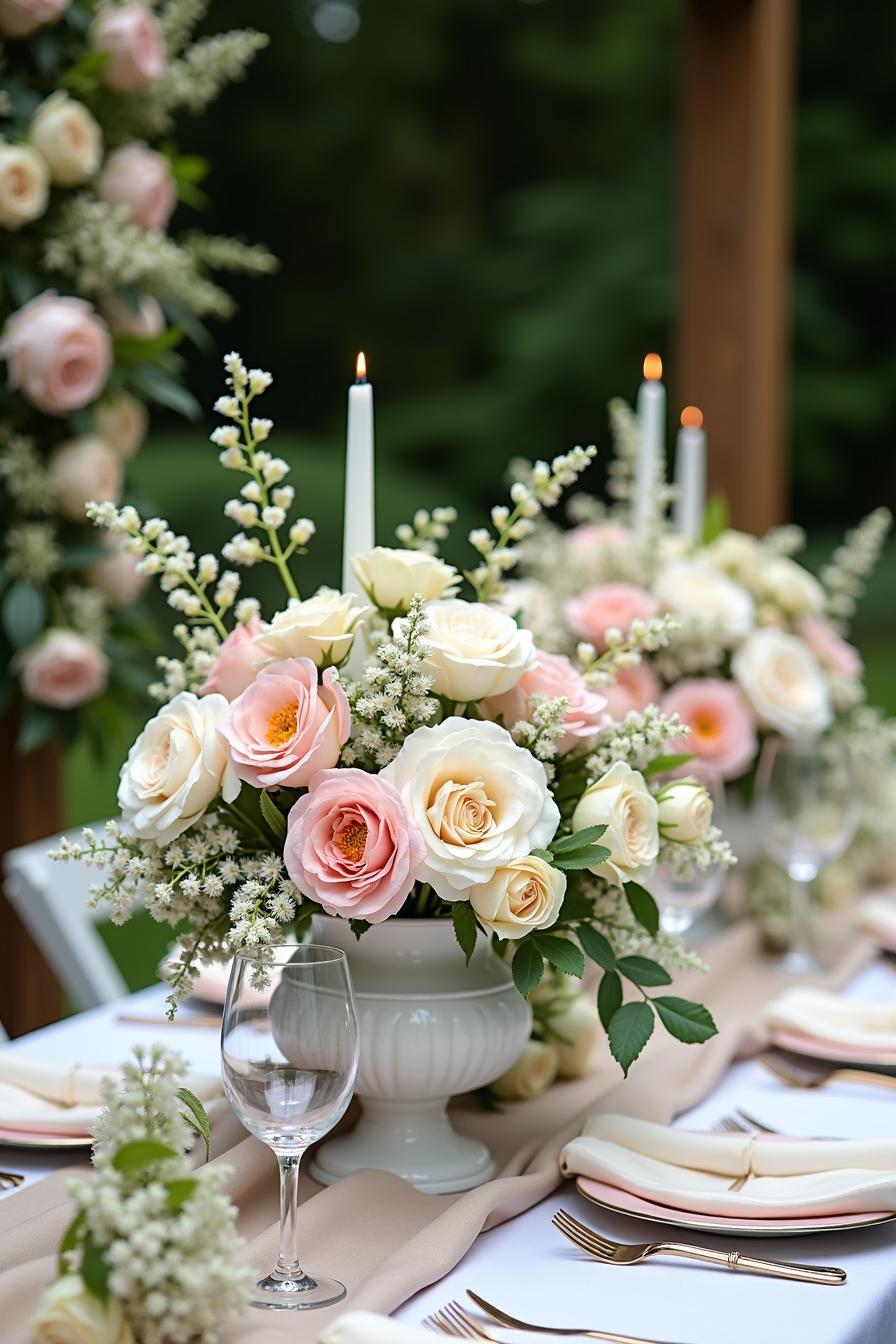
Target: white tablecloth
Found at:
528, 1268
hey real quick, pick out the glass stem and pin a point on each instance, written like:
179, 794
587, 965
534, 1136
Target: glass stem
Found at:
288, 1266
800, 915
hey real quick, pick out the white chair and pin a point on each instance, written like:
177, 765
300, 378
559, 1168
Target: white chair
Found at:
51, 901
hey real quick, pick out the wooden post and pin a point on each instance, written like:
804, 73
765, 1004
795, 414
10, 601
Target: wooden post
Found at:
737, 82
30, 808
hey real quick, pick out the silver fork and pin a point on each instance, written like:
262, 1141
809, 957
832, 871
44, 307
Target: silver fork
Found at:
622, 1253
453, 1320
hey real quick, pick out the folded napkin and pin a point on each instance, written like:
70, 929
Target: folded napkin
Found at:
366, 1327
63, 1099
684, 1170
866, 1026
877, 918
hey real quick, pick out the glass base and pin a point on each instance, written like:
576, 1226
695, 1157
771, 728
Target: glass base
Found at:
800, 961
278, 1294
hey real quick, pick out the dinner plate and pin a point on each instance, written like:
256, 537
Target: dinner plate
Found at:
814, 1047
613, 1199
21, 1138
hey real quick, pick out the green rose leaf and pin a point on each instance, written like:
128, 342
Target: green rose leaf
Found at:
631, 1027
95, 1272
609, 997
527, 967
643, 907
686, 1021
141, 1153
582, 858
359, 927
660, 765
596, 947
178, 1192
578, 840
644, 971
195, 1116
561, 953
466, 929
273, 817
70, 1238
24, 613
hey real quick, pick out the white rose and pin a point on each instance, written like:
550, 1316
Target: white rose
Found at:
478, 800
68, 139
791, 587
68, 1314
783, 683
121, 420
622, 802
737, 554
24, 185
84, 469
576, 1035
321, 628
475, 651
685, 811
176, 768
699, 595
526, 894
391, 577
531, 1075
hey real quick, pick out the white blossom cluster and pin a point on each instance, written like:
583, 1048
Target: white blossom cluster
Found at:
426, 530
541, 731
32, 551
395, 695
200, 644
627, 937
845, 574
193, 81
626, 649
686, 861
24, 474
86, 610
638, 739
166, 1233
694, 649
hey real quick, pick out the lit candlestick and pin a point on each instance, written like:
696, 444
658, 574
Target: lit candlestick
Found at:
358, 519
651, 410
690, 474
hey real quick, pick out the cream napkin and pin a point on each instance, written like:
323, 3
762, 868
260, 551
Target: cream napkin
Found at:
367, 1327
877, 918
63, 1098
863, 1025
684, 1170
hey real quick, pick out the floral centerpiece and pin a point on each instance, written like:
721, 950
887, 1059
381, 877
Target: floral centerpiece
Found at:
95, 296
462, 774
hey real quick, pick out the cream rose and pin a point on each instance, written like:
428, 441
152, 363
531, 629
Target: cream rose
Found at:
475, 651
84, 469
576, 1035
783, 683
699, 595
526, 894
68, 1314
685, 811
791, 587
321, 628
67, 138
622, 802
478, 799
738, 554
176, 768
24, 185
139, 179
531, 1075
391, 577
121, 420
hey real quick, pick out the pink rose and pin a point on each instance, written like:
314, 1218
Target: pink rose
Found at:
123, 320
285, 728
116, 575
633, 688
351, 845
63, 669
722, 731
18, 18
132, 37
607, 606
238, 662
587, 538
551, 676
59, 353
837, 657
139, 179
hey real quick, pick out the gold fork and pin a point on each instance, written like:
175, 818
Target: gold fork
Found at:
13, 1178
453, 1320
804, 1075
620, 1253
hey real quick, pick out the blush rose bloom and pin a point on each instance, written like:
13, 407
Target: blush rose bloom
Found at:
525, 894
622, 802
391, 577
68, 1313
478, 800
321, 628
117, 575
607, 606
701, 596
59, 353
237, 663
139, 179
176, 768
84, 469
121, 420
18, 18
632, 688
24, 186
591, 539
783, 682
63, 669
475, 651
68, 139
352, 846
722, 733
286, 727
144, 322
132, 37
837, 657
550, 676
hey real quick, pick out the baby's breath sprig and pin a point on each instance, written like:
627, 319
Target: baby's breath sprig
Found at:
426, 530
638, 740
845, 574
625, 650
540, 732
395, 696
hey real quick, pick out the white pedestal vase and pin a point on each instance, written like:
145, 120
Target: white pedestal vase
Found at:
430, 1027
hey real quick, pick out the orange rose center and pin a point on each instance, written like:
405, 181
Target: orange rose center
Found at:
705, 727
282, 724
351, 840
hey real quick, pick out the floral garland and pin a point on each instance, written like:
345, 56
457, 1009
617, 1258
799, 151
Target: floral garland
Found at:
94, 299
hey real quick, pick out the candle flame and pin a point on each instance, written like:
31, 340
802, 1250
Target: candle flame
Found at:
653, 368
692, 417
361, 368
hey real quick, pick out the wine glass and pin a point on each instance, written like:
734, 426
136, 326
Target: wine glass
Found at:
808, 809
682, 899
289, 1050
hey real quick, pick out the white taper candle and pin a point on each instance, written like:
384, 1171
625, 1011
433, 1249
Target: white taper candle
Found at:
358, 518
690, 474
651, 409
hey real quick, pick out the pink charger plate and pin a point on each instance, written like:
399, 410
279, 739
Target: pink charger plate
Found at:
616, 1200
801, 1043
38, 1138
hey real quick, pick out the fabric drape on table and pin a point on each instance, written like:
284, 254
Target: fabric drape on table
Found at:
384, 1239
